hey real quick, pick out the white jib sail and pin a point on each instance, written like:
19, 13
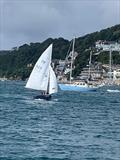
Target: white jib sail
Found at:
53, 87
38, 79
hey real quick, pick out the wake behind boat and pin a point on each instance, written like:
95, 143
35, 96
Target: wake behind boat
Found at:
42, 77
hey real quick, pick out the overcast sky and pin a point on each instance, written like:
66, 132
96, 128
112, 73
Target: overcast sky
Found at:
25, 21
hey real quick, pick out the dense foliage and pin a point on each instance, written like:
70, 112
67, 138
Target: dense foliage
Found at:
19, 62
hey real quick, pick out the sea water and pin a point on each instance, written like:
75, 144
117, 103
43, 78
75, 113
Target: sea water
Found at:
72, 126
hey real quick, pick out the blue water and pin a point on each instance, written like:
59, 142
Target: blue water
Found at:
72, 126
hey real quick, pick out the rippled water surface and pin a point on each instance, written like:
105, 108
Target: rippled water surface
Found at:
72, 126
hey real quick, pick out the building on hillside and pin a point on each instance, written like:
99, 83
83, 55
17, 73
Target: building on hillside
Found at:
94, 72
107, 45
116, 76
64, 66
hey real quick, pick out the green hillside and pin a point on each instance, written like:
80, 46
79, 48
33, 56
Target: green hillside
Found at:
18, 62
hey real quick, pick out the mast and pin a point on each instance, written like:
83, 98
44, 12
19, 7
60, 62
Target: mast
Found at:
72, 59
90, 64
110, 65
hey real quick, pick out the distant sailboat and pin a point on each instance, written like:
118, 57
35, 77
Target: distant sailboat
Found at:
113, 90
43, 77
77, 86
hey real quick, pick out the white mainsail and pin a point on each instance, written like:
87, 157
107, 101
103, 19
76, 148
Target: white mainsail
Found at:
53, 88
39, 77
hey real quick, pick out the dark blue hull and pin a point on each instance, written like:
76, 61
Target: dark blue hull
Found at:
45, 97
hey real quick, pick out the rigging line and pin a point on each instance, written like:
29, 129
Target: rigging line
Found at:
66, 59
68, 51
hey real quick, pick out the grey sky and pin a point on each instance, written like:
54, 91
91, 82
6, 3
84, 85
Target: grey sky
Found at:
25, 21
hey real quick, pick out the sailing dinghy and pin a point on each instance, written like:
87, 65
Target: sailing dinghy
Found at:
42, 77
